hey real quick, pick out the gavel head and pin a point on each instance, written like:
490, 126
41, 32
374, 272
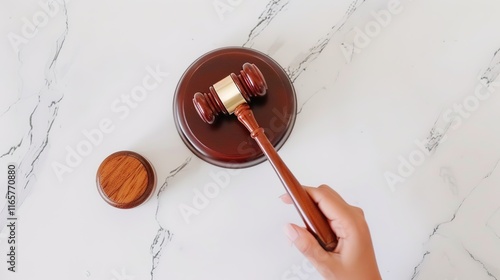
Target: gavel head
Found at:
227, 94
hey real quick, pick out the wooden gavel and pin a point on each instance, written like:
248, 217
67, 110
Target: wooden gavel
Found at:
232, 95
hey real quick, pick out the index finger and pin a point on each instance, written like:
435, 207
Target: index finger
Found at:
333, 206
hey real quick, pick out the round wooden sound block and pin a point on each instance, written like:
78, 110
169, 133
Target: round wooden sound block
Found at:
125, 179
227, 143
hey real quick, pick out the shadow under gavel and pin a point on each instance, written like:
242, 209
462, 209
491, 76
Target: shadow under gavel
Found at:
231, 95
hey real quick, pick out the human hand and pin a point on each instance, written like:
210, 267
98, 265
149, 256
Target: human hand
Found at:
354, 257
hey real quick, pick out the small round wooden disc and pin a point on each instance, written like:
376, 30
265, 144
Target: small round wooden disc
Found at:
226, 142
125, 179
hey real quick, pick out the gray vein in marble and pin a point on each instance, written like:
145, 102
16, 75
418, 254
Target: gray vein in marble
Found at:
434, 138
436, 134
492, 170
19, 58
302, 62
481, 263
30, 133
351, 52
416, 268
12, 149
493, 71
455, 213
10, 107
309, 98
37, 145
45, 140
488, 225
50, 77
163, 236
488, 174
266, 17
489, 75
60, 42
449, 178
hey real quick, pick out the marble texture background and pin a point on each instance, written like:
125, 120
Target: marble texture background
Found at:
398, 111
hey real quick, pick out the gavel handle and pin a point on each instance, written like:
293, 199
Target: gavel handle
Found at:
313, 218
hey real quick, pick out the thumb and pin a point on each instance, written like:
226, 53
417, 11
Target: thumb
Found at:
309, 247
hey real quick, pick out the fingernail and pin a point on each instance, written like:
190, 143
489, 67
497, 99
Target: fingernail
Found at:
291, 232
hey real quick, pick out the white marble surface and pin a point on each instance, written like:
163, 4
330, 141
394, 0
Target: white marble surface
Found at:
423, 77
